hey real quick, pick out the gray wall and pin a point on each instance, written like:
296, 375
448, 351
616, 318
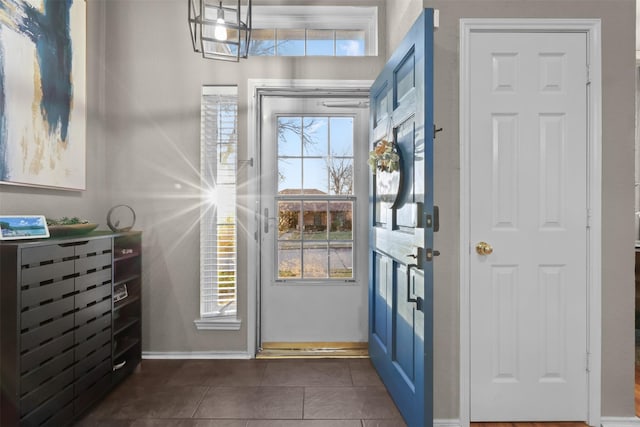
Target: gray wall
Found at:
153, 84
618, 62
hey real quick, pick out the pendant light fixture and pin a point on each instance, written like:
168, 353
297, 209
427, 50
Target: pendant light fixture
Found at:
219, 30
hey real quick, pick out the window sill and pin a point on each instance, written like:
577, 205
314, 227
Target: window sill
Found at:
218, 324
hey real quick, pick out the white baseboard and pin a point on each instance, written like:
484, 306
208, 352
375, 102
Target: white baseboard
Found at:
620, 422
446, 423
196, 355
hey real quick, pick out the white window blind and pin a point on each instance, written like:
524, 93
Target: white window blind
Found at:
218, 233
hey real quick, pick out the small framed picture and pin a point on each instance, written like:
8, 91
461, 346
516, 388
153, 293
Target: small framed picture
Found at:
15, 227
120, 292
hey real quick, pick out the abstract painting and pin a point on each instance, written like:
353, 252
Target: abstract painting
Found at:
42, 93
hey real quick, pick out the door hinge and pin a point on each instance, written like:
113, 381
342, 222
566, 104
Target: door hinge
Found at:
588, 218
588, 74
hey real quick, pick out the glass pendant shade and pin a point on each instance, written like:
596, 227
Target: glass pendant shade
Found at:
220, 29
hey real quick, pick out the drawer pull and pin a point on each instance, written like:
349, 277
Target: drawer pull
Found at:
119, 365
66, 245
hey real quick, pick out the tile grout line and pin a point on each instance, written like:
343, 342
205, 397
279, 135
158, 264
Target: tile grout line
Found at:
264, 373
195, 411
304, 398
351, 374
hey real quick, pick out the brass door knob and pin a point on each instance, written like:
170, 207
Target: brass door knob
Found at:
483, 248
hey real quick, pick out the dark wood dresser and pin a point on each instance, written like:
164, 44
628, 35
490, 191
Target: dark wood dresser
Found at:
69, 324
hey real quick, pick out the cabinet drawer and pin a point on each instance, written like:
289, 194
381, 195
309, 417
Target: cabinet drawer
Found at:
36, 336
36, 295
31, 401
95, 392
93, 296
46, 254
34, 358
61, 418
34, 378
92, 328
93, 279
90, 263
92, 377
92, 344
49, 408
101, 355
97, 246
93, 312
35, 316
47, 272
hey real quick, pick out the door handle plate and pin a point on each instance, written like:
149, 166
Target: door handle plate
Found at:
417, 299
268, 218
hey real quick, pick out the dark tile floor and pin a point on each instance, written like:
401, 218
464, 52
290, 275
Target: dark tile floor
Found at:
248, 393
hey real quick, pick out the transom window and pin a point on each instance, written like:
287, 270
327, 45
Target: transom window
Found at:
315, 197
314, 31
303, 42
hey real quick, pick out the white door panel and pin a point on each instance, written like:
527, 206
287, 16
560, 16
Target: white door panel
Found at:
310, 310
528, 187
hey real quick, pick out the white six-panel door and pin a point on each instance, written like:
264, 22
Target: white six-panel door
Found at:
528, 203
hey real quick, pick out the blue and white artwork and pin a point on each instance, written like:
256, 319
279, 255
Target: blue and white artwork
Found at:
42, 93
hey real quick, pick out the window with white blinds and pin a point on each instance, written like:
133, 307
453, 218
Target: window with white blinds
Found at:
218, 234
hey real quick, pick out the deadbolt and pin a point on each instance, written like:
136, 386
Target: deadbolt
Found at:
483, 248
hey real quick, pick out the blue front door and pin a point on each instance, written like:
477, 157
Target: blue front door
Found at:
402, 224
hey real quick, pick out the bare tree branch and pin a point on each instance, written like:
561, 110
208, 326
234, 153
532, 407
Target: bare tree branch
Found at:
298, 128
340, 176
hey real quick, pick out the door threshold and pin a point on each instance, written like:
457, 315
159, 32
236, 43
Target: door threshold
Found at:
313, 350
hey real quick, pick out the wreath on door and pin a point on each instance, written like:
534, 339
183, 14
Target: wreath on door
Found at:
384, 157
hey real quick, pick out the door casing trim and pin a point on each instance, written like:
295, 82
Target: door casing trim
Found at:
592, 29
255, 89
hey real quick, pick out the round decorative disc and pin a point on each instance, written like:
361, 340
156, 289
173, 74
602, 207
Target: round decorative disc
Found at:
121, 218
